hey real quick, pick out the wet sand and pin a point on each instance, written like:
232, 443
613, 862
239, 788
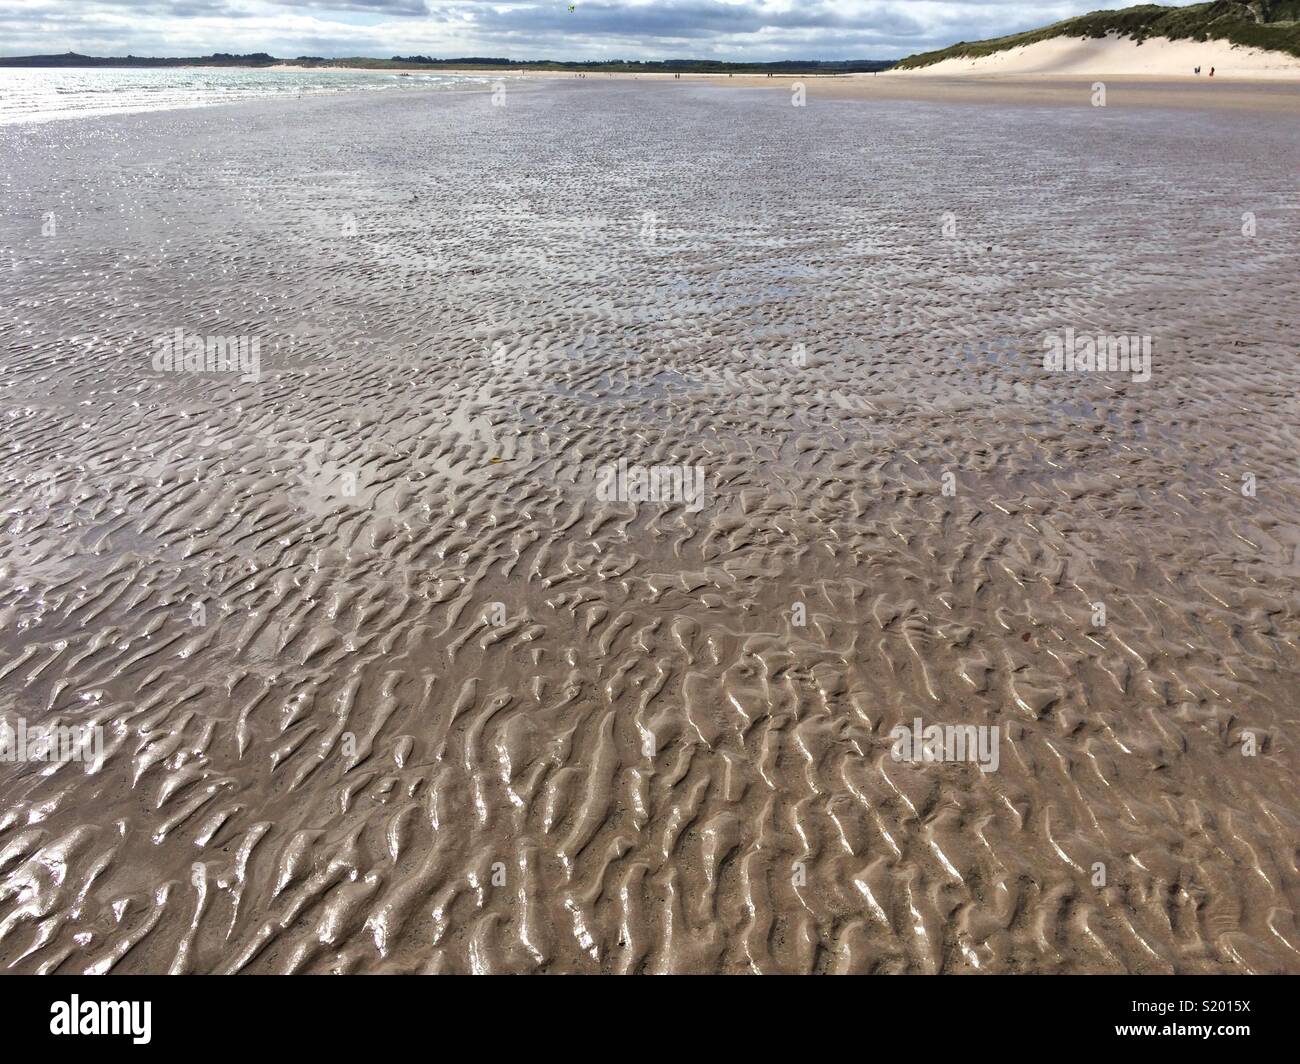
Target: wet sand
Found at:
386, 685
1075, 90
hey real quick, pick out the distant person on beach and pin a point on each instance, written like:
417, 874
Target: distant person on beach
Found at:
1211, 71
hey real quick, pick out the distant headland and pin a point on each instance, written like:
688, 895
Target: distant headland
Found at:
422, 62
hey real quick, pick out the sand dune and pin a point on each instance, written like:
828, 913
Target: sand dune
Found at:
1157, 56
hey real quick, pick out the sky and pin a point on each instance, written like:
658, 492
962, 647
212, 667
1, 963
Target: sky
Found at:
754, 30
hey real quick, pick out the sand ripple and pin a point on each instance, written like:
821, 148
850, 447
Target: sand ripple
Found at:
384, 685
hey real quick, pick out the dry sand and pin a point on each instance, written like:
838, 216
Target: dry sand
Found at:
1259, 94
387, 685
1069, 91
1112, 55
1265, 83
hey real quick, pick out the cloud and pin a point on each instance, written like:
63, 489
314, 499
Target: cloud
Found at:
524, 29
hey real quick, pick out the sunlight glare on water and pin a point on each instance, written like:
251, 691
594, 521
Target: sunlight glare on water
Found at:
41, 95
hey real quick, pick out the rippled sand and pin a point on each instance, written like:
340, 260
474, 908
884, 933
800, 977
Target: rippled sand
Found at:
469, 717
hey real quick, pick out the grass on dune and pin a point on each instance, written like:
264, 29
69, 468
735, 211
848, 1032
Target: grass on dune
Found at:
1269, 24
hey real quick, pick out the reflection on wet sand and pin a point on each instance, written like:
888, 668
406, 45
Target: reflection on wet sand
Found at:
384, 681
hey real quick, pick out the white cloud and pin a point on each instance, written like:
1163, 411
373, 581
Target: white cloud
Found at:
524, 29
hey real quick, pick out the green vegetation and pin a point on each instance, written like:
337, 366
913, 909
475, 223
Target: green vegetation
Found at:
422, 62
1271, 24
73, 59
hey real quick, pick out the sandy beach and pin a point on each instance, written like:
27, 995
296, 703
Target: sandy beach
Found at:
1258, 90
612, 482
1189, 93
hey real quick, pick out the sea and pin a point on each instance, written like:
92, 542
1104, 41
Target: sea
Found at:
50, 94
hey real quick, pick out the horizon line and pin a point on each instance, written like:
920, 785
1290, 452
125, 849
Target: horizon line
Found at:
422, 60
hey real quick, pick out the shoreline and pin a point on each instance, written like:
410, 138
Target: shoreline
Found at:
1154, 91
1187, 91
